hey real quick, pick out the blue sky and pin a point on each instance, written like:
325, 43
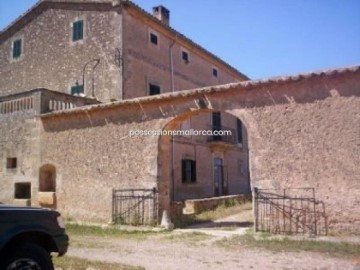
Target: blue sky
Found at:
261, 38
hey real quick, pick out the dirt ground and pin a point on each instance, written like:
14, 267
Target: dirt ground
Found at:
190, 249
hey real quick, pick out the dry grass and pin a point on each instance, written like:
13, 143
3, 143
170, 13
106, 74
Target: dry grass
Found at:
242, 210
267, 241
74, 263
111, 231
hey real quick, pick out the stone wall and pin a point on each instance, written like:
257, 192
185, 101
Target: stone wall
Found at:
50, 59
18, 140
148, 63
303, 131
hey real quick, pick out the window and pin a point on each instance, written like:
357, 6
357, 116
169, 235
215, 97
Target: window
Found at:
154, 89
239, 131
185, 56
216, 125
22, 190
77, 89
153, 38
215, 72
78, 30
16, 53
216, 121
188, 171
11, 163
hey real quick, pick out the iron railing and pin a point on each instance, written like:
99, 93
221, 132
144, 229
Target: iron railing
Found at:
135, 206
289, 211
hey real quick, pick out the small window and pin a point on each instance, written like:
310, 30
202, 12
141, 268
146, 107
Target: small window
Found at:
78, 30
11, 163
215, 72
239, 131
188, 171
153, 38
22, 190
216, 121
154, 89
185, 56
17, 44
77, 89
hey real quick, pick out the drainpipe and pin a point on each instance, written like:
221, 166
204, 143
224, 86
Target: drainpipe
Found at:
172, 143
172, 65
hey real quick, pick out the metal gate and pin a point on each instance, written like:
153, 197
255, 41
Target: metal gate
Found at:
135, 206
289, 211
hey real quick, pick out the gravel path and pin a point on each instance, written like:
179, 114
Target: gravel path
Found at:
178, 251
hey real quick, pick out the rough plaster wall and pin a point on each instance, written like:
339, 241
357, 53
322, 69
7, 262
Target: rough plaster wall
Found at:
312, 145
146, 62
19, 138
94, 154
301, 134
48, 39
312, 140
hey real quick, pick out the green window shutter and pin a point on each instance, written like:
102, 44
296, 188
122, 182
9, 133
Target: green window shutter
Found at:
73, 90
78, 30
17, 48
77, 89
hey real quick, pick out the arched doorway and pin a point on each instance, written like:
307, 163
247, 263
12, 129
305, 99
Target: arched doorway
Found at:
47, 186
201, 163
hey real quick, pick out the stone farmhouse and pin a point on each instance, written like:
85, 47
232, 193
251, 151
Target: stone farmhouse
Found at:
112, 69
103, 51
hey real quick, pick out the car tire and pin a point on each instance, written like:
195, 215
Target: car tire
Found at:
28, 256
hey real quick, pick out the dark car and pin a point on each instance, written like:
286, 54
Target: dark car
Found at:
28, 236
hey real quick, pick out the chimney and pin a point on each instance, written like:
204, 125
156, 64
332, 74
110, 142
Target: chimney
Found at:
162, 14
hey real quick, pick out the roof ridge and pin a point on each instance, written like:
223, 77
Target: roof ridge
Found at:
209, 89
47, 4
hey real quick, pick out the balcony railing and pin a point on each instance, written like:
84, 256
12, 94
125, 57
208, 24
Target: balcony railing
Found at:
228, 135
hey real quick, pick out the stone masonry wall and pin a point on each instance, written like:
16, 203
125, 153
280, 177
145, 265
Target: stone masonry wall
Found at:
302, 132
19, 138
50, 59
148, 63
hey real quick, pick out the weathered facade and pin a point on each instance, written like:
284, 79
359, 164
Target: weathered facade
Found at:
114, 50
292, 123
299, 131
293, 129
134, 49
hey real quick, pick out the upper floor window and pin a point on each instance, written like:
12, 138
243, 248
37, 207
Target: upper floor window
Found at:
154, 89
16, 48
239, 131
153, 38
216, 121
185, 56
214, 72
78, 30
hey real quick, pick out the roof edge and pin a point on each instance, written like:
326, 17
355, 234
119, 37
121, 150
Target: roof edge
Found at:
209, 89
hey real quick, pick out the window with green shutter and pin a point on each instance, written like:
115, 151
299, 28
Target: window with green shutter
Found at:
77, 89
16, 48
78, 30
